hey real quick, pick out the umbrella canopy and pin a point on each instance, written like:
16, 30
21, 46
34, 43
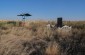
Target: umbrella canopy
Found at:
25, 14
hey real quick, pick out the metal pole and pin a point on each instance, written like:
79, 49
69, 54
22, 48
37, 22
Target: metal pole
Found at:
23, 21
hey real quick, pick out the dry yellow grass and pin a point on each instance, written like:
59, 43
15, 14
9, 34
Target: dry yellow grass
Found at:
36, 39
53, 49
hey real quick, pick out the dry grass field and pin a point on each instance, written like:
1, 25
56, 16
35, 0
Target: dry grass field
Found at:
36, 39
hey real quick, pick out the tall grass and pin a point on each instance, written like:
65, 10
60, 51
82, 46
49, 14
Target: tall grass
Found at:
37, 39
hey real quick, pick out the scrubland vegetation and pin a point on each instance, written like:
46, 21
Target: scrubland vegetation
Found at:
36, 39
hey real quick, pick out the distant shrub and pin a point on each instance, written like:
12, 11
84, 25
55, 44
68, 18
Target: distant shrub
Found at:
12, 22
75, 24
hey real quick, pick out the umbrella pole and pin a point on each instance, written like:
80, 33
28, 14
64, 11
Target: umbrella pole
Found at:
23, 21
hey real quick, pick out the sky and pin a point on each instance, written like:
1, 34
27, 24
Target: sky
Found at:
43, 9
